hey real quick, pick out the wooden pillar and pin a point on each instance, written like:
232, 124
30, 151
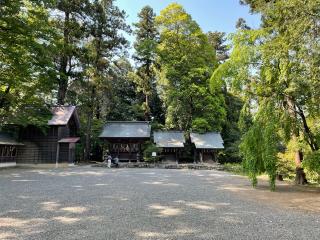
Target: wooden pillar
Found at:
69, 152
201, 156
139, 152
118, 151
195, 156
177, 158
57, 156
129, 152
72, 156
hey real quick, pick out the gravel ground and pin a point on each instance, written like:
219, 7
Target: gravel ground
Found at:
97, 203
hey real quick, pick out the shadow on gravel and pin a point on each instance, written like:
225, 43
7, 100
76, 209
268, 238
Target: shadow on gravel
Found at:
83, 203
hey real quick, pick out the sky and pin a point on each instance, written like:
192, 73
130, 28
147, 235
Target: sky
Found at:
211, 15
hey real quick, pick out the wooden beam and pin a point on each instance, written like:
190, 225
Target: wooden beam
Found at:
57, 156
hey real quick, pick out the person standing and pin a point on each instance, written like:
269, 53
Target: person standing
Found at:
109, 161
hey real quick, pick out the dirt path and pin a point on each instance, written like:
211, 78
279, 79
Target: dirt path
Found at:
287, 195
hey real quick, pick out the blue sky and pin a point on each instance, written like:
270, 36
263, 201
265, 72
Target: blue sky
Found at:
211, 15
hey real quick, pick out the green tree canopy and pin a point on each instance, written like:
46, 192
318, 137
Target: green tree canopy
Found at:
186, 61
26, 38
276, 65
145, 46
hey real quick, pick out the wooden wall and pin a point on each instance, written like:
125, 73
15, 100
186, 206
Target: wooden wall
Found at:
8, 154
64, 152
41, 146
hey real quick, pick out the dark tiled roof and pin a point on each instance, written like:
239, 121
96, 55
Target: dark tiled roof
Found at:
125, 129
210, 140
169, 139
6, 139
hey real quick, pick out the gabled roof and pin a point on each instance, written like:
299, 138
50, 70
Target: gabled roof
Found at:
125, 129
210, 140
169, 139
6, 139
61, 115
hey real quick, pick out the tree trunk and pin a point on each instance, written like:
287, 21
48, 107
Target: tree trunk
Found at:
308, 134
62, 90
147, 110
300, 174
3, 98
63, 78
89, 126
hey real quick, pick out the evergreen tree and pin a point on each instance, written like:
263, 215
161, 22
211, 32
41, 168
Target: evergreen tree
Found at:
105, 43
217, 40
147, 38
70, 20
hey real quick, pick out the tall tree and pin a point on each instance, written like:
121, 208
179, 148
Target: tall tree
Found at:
187, 61
70, 18
106, 24
147, 38
218, 42
25, 61
276, 65
231, 133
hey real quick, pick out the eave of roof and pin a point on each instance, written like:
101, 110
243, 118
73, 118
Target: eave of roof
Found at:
6, 139
69, 140
169, 139
126, 129
210, 140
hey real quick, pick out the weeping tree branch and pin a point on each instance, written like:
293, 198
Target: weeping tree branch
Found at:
308, 134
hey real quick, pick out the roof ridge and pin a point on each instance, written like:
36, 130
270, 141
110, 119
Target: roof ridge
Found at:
168, 131
127, 122
206, 132
63, 106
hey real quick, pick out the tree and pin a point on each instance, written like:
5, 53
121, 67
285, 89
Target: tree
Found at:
187, 60
70, 20
124, 104
147, 38
230, 131
242, 24
25, 61
275, 65
217, 40
106, 23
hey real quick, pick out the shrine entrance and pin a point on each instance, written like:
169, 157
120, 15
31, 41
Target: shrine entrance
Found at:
126, 150
125, 139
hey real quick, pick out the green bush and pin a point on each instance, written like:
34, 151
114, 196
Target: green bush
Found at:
311, 163
286, 165
149, 149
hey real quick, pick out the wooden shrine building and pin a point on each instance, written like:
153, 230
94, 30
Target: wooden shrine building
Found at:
124, 139
171, 143
54, 145
206, 146
8, 150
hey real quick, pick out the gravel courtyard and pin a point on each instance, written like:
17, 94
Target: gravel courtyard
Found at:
97, 203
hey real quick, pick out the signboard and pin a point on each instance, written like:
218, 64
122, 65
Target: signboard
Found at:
154, 154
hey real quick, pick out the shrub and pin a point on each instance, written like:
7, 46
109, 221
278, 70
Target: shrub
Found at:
286, 165
149, 149
311, 163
